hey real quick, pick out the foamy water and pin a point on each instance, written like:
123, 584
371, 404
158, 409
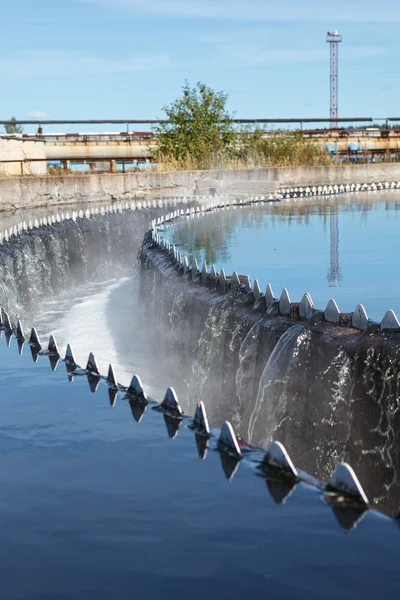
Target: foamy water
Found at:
105, 319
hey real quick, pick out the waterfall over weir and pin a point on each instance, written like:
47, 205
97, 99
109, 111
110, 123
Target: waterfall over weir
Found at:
77, 279
42, 263
328, 392
80, 437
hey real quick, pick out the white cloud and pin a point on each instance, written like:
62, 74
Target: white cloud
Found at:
262, 10
37, 114
69, 65
55, 63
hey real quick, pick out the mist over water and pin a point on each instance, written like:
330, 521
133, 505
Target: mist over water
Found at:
82, 282
327, 402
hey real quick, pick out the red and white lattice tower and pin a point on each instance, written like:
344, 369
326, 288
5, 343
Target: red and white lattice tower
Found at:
334, 38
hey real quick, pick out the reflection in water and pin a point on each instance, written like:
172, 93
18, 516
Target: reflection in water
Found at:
296, 245
280, 489
230, 465
68, 463
172, 425
334, 274
268, 380
138, 409
347, 513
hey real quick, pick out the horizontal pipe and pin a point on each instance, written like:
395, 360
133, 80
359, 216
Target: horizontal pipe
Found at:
77, 159
159, 121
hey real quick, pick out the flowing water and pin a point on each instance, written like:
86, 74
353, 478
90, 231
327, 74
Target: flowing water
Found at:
79, 282
92, 504
325, 402
97, 505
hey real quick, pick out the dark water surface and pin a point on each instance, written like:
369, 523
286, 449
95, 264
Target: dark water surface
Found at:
343, 248
96, 505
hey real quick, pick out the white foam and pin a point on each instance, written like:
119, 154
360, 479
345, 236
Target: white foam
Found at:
98, 323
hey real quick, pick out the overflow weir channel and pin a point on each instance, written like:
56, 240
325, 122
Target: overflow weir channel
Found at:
324, 383
251, 360
98, 478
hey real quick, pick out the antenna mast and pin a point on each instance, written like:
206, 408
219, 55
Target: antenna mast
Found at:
334, 38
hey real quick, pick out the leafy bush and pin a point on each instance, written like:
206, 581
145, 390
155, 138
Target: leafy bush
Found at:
13, 127
199, 133
200, 129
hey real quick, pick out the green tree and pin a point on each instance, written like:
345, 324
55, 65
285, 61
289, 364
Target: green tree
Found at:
199, 131
13, 127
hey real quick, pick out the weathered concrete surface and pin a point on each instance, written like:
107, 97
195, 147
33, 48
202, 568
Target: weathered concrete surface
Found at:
24, 192
18, 150
28, 192
366, 173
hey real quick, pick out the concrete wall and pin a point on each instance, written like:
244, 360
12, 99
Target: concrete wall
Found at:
366, 173
18, 150
24, 192
28, 192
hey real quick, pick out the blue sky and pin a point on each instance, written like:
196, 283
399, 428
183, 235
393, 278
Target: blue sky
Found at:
128, 58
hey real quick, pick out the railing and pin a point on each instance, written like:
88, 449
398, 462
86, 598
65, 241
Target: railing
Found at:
263, 120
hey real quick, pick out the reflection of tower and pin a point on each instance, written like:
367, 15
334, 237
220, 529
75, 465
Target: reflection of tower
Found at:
334, 38
334, 275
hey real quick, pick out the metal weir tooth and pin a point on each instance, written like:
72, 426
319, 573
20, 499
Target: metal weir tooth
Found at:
228, 440
195, 269
213, 273
332, 312
269, 296
284, 303
92, 365
185, 264
344, 480
52, 346
69, 355
306, 307
200, 419
204, 273
235, 281
20, 330
359, 319
136, 387
222, 281
390, 321
6, 322
256, 290
171, 403
111, 377
34, 339
277, 456
247, 283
